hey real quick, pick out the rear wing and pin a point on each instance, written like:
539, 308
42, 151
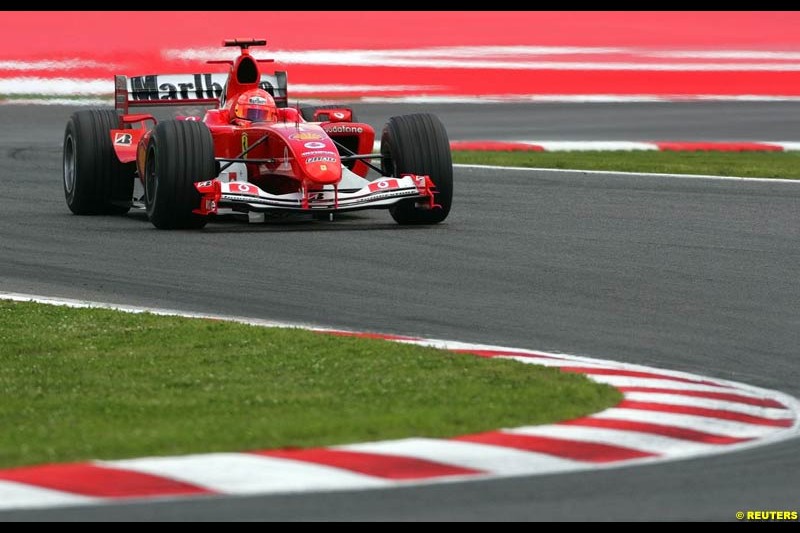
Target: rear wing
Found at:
182, 89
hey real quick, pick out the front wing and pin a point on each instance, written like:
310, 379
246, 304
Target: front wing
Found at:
381, 193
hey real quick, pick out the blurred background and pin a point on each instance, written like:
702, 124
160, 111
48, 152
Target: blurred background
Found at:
419, 56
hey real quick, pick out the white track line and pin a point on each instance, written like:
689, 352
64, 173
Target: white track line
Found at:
616, 172
483, 51
55, 64
476, 59
573, 98
95, 93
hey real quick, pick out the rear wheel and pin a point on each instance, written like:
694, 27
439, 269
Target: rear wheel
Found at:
418, 144
179, 154
95, 182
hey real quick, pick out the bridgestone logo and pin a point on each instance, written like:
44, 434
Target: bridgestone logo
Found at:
343, 129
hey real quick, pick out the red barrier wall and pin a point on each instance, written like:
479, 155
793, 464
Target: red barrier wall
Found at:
133, 43
44, 33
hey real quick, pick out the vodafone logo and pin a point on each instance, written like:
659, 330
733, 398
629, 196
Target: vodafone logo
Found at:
244, 188
344, 129
382, 185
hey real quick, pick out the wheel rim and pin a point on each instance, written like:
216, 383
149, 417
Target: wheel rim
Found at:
151, 183
69, 164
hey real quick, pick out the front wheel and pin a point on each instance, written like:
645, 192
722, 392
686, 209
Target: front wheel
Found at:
418, 144
95, 182
179, 154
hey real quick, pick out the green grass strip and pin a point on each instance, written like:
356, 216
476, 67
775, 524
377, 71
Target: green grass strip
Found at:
784, 165
79, 384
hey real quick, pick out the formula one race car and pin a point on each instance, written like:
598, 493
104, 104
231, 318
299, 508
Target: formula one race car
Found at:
249, 153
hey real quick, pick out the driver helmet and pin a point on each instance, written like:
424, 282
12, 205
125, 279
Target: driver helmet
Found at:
256, 105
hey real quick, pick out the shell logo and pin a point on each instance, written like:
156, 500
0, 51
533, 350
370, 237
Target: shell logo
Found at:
306, 136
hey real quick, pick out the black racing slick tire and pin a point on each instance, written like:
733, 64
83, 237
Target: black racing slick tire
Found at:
179, 154
307, 112
95, 182
418, 144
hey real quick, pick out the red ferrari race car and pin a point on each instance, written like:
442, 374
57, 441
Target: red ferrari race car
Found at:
250, 152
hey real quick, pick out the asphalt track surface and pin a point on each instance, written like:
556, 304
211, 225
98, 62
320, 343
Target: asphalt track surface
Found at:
686, 274
657, 121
